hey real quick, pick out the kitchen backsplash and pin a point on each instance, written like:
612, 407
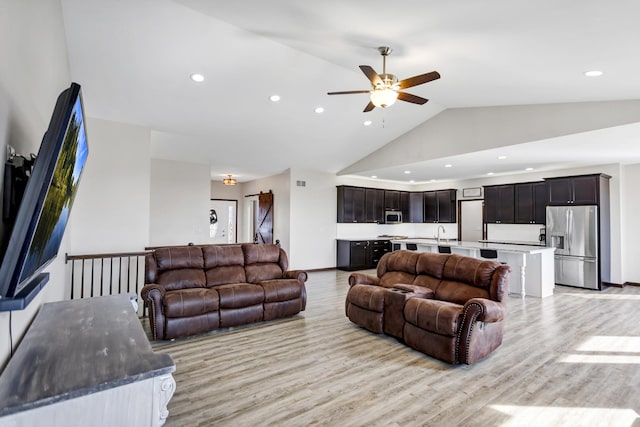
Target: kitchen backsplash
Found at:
369, 231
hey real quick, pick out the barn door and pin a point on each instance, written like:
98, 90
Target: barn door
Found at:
264, 220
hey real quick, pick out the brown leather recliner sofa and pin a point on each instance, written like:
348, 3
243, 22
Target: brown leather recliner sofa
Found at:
196, 289
445, 305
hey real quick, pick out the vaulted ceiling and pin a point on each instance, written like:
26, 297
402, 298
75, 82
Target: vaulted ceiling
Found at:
134, 59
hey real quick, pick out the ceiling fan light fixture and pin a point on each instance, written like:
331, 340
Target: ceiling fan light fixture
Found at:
383, 98
229, 181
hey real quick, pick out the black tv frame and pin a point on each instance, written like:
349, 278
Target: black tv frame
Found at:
16, 294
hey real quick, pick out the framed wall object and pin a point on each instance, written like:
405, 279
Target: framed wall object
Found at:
472, 192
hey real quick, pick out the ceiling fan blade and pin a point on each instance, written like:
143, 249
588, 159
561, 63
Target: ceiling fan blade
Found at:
369, 107
348, 92
418, 80
372, 75
403, 96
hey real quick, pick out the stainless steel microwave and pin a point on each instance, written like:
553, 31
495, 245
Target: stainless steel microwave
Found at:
392, 217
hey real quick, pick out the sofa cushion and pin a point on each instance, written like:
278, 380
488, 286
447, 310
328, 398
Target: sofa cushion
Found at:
190, 302
431, 264
225, 274
238, 295
263, 262
473, 271
458, 292
281, 289
400, 261
441, 317
254, 254
392, 278
179, 257
222, 255
182, 278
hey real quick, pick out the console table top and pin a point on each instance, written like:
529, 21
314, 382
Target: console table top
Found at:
78, 347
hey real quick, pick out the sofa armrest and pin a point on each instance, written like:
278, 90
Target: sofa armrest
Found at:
152, 295
420, 291
488, 311
295, 274
363, 279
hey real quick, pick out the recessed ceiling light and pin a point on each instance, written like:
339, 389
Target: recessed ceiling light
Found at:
319, 110
448, 166
490, 173
593, 73
411, 181
529, 169
196, 77
432, 180
274, 98
374, 176
407, 171
367, 123
502, 157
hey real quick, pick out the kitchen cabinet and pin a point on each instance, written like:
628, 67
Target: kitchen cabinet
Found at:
391, 200
530, 202
374, 205
405, 206
351, 204
416, 208
377, 249
440, 206
575, 190
360, 254
499, 206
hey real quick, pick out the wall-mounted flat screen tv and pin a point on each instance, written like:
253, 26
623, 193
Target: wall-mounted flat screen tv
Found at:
44, 210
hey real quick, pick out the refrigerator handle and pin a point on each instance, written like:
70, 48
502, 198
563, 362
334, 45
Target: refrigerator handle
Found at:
570, 230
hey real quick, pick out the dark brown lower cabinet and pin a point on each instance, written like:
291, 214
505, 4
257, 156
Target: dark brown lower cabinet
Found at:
360, 254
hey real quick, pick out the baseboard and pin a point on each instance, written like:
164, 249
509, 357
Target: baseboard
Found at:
320, 269
613, 285
631, 284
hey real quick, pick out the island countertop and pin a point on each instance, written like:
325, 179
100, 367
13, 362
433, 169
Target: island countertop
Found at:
527, 249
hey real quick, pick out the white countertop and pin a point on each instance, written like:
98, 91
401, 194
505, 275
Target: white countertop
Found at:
479, 245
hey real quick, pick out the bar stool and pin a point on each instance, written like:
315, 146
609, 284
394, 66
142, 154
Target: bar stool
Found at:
490, 254
444, 249
412, 246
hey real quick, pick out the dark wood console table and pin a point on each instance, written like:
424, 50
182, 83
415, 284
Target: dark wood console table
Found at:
86, 362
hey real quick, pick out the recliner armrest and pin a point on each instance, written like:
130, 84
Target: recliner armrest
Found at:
363, 279
147, 293
490, 311
153, 294
295, 274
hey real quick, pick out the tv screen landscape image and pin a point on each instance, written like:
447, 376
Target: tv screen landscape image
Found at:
48, 197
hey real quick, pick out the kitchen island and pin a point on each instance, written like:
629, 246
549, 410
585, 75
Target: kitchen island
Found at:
532, 267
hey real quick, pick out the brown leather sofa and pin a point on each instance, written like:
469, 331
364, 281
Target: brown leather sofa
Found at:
447, 306
196, 289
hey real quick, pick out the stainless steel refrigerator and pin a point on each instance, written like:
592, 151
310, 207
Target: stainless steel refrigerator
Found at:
573, 231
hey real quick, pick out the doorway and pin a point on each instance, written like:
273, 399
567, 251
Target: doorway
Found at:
223, 221
471, 220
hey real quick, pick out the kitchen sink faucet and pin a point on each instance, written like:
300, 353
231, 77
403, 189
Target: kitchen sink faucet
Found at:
443, 232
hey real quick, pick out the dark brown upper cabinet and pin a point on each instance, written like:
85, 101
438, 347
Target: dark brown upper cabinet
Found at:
374, 205
351, 204
530, 202
499, 206
575, 190
440, 206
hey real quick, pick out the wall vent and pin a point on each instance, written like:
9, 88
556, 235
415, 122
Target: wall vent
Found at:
301, 183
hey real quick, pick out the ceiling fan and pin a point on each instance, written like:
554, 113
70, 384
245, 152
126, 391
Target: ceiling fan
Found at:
385, 88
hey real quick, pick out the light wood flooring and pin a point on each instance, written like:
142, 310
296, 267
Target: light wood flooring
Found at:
571, 359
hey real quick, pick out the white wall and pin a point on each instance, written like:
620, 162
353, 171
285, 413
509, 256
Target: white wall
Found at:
179, 203
313, 220
631, 224
111, 210
33, 71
